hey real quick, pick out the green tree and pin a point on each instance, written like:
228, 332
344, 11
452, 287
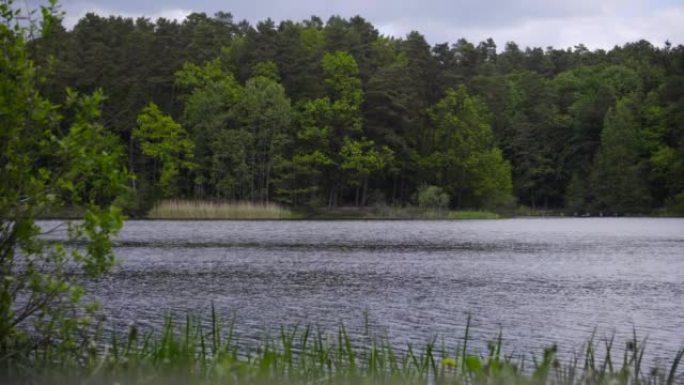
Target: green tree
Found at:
243, 130
345, 92
667, 158
464, 159
167, 143
312, 159
360, 160
266, 114
325, 123
585, 95
668, 167
422, 86
48, 162
619, 185
208, 111
388, 118
300, 48
230, 174
536, 134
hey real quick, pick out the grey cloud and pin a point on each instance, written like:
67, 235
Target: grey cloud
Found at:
538, 22
466, 13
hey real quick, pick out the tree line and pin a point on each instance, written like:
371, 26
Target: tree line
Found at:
333, 113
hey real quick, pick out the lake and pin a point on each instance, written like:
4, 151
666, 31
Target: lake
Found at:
539, 280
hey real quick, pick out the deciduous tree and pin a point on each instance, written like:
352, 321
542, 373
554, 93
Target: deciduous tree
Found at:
49, 162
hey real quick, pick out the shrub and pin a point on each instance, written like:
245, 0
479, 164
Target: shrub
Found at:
48, 163
432, 197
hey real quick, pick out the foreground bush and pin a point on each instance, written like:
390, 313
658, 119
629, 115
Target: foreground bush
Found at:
51, 157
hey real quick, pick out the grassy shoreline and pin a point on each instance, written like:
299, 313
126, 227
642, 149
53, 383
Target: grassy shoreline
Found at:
188, 352
187, 209
394, 213
216, 210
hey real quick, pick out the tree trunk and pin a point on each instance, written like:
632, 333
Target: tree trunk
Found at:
267, 181
402, 191
332, 198
394, 191
364, 193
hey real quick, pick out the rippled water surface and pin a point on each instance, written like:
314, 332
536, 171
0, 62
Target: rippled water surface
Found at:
539, 280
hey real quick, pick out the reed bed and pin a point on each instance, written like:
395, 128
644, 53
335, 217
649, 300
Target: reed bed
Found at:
187, 352
192, 209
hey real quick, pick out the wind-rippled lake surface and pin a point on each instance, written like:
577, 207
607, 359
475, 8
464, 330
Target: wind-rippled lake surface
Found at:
540, 281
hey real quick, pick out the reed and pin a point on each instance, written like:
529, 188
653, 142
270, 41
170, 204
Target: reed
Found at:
192, 209
189, 351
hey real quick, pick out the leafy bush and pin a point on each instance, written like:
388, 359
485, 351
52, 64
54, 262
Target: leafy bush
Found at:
432, 197
48, 163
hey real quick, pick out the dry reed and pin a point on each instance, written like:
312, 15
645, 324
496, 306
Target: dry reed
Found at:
191, 209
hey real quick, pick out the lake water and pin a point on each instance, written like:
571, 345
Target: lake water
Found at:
539, 280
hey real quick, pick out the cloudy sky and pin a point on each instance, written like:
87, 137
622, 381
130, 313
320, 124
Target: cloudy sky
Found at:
538, 23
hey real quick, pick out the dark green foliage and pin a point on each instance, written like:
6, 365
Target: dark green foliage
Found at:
463, 157
617, 178
553, 113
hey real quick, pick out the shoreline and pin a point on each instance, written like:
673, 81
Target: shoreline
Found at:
454, 216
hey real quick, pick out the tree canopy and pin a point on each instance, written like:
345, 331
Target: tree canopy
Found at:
328, 113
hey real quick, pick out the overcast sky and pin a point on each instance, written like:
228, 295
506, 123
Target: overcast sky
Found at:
536, 23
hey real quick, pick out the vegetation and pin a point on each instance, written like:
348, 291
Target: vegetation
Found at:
432, 197
192, 209
333, 114
51, 157
388, 212
189, 353
373, 119
179, 209
167, 144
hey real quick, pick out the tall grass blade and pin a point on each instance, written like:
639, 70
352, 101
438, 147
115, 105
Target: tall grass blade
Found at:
673, 370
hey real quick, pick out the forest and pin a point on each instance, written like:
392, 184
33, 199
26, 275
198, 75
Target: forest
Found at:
331, 113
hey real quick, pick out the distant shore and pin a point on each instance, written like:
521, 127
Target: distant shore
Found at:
205, 210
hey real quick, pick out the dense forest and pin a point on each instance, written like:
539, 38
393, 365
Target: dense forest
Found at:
317, 114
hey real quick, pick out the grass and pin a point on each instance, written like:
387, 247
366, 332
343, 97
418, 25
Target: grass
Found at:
399, 213
418, 213
188, 209
465, 214
186, 352
198, 209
